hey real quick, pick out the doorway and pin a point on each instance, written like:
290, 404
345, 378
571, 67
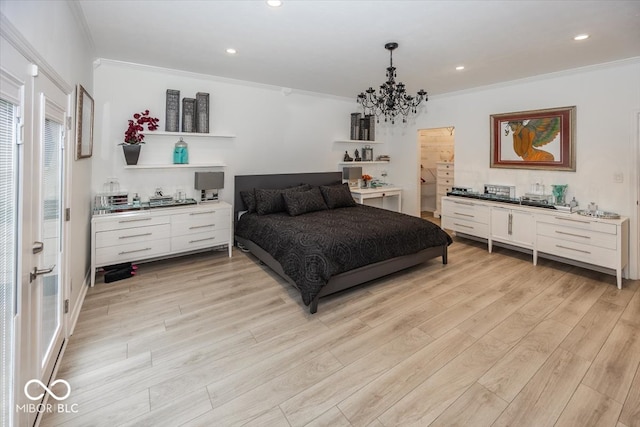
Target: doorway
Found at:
436, 147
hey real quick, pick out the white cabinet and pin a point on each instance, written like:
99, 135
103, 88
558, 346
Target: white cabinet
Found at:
465, 216
158, 233
512, 226
600, 244
444, 180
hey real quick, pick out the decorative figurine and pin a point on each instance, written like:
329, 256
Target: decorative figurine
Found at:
347, 157
357, 155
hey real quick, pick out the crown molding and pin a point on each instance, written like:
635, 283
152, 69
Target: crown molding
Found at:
10, 33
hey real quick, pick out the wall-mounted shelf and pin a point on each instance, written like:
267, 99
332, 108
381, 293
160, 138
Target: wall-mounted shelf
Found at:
375, 162
359, 141
187, 134
172, 166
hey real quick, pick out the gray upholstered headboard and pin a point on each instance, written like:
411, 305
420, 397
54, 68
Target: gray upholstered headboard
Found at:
249, 182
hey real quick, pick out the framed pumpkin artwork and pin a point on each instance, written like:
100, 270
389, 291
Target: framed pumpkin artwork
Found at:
537, 139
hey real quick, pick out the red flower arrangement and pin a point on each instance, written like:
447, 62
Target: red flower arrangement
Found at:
133, 135
366, 177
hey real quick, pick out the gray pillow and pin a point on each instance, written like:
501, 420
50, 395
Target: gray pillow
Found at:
270, 200
337, 196
249, 199
301, 202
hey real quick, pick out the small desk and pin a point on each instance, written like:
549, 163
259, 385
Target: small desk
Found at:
389, 198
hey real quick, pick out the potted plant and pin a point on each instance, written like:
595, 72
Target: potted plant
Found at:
133, 136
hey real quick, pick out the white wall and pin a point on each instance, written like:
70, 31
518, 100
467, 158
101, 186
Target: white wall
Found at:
276, 131
55, 38
607, 98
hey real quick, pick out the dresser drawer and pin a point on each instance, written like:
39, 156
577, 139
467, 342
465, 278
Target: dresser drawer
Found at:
445, 174
578, 251
464, 210
126, 236
444, 167
442, 190
465, 226
130, 221
132, 251
579, 235
580, 222
203, 239
196, 222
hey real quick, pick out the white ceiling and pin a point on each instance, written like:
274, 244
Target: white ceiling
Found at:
337, 47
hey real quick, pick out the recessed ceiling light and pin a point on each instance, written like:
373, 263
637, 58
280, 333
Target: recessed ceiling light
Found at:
274, 3
460, 67
231, 51
581, 37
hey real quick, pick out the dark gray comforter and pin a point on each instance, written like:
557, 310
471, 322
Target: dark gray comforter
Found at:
315, 246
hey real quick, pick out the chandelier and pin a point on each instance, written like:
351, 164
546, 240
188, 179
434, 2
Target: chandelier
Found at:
392, 98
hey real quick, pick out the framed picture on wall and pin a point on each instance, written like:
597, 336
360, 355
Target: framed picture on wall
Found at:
84, 123
537, 139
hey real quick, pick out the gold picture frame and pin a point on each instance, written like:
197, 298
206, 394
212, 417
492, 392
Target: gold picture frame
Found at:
84, 123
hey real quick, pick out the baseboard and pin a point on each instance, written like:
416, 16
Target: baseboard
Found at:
73, 319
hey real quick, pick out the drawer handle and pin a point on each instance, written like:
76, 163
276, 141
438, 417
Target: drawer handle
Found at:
464, 203
572, 249
461, 214
571, 234
201, 240
201, 226
134, 220
202, 213
572, 220
462, 225
137, 250
135, 235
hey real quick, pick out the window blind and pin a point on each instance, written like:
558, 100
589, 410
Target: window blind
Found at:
8, 243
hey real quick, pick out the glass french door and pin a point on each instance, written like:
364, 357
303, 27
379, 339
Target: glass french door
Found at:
50, 224
42, 282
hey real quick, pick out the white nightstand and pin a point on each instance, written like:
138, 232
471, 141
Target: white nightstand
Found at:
382, 197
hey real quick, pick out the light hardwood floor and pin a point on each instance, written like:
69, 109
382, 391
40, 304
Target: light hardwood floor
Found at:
488, 339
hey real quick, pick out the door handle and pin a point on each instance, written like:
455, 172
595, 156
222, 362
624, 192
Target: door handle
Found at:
35, 273
37, 247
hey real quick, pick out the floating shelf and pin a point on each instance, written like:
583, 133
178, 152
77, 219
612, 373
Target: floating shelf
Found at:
185, 134
172, 166
375, 162
358, 141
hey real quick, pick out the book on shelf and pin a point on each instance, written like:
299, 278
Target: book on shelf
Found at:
202, 112
364, 128
188, 114
172, 115
371, 127
355, 126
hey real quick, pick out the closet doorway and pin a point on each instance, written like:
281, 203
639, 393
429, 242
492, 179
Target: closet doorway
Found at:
436, 148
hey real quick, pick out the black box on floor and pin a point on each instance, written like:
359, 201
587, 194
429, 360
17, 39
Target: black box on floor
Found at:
115, 275
117, 266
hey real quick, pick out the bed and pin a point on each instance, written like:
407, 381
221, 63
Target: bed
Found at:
326, 250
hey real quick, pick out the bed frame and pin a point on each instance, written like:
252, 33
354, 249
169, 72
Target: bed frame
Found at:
340, 281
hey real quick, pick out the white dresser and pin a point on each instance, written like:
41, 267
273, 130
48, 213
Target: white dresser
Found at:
444, 180
158, 233
567, 237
